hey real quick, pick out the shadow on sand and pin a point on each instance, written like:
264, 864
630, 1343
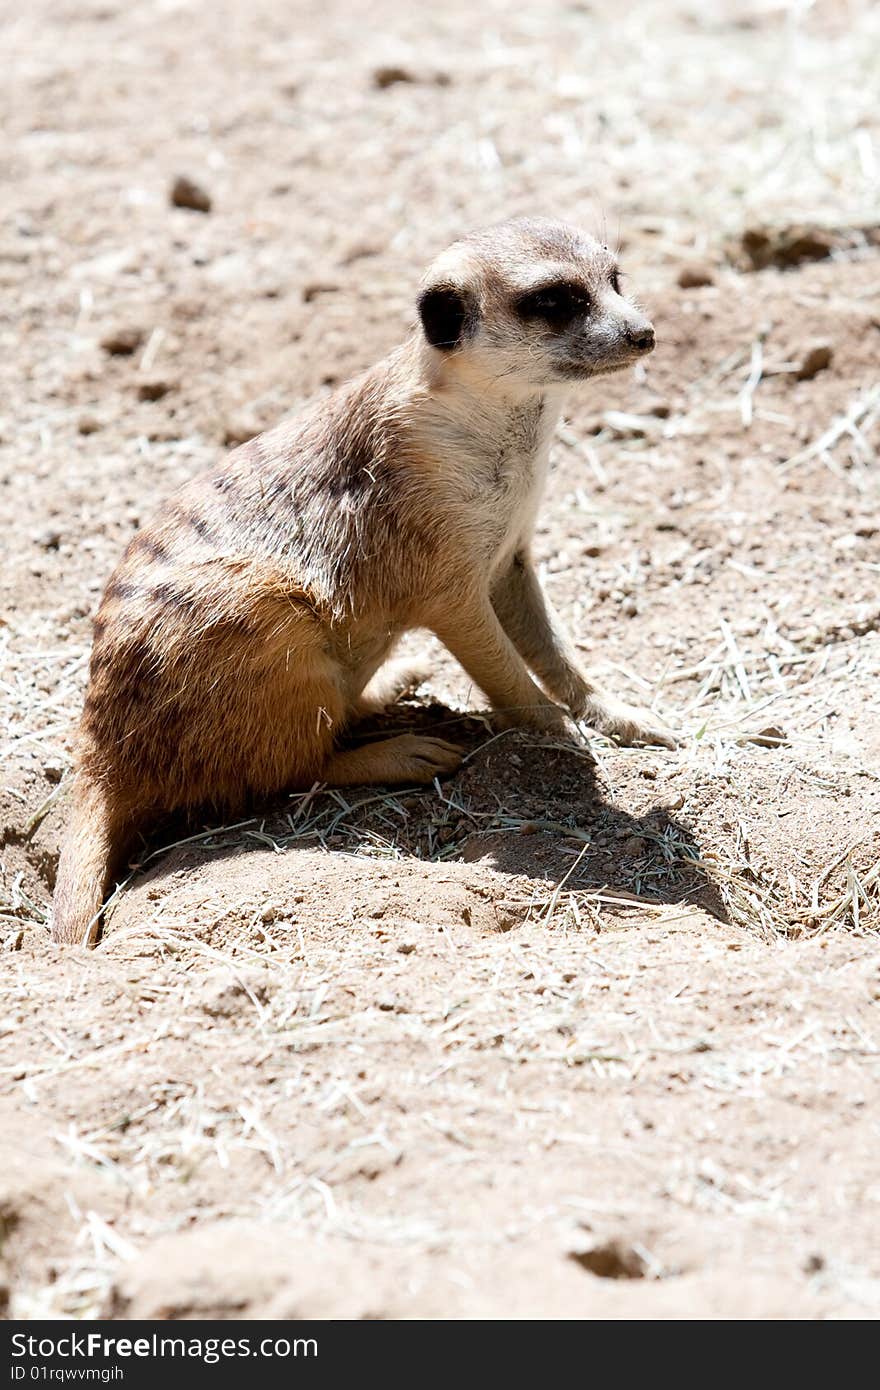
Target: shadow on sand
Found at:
526, 807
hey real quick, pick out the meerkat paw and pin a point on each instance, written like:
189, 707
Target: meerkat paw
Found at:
629, 725
393, 761
421, 759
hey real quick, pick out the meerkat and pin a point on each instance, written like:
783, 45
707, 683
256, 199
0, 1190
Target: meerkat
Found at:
250, 624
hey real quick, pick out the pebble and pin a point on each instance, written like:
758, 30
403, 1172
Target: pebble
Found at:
634, 846
186, 193
613, 1259
317, 287
390, 74
153, 390
239, 429
769, 737
122, 342
785, 246
817, 357
50, 539
695, 275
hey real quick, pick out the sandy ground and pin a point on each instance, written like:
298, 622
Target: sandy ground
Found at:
582, 1033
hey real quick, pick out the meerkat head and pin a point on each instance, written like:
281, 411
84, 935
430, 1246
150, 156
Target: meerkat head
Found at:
531, 304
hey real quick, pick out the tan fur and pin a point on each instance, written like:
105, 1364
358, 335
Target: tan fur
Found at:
245, 628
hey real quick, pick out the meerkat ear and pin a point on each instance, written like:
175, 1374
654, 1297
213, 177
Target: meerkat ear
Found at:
448, 315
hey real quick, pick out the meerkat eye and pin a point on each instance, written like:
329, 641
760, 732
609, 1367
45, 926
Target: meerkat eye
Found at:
616, 277
557, 304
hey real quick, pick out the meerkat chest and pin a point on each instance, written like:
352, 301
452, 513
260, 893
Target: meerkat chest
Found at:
489, 466
510, 473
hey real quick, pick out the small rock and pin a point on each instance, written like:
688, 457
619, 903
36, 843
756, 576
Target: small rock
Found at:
50, 539
153, 390
388, 1004
317, 287
406, 948
695, 275
816, 358
88, 424
185, 193
770, 737
613, 1259
122, 342
52, 771
389, 75
634, 846
360, 251
239, 429
784, 247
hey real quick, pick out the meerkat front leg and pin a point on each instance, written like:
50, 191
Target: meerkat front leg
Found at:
528, 618
474, 635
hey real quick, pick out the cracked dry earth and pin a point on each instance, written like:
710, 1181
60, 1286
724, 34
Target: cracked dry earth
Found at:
578, 1033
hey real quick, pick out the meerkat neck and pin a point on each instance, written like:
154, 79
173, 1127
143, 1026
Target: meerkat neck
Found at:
453, 377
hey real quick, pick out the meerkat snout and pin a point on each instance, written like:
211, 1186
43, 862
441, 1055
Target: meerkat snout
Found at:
641, 336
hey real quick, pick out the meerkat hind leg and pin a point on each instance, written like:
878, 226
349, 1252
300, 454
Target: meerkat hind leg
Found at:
407, 758
390, 683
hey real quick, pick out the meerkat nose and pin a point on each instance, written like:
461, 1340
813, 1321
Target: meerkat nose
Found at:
641, 337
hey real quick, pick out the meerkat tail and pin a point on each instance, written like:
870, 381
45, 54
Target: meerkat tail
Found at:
97, 836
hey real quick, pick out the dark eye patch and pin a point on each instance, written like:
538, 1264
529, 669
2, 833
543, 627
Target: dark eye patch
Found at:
557, 304
616, 276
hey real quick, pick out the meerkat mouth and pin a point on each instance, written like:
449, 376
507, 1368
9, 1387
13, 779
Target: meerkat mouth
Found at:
583, 370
